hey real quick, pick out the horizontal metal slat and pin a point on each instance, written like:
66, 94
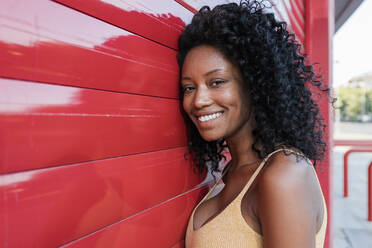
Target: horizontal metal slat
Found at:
161, 21
44, 41
45, 125
159, 227
53, 206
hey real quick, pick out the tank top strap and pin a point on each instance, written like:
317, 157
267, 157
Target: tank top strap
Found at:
259, 168
224, 170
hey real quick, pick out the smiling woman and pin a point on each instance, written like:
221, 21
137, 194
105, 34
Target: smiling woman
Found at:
243, 87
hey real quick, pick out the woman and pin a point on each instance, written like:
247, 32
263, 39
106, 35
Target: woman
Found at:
243, 85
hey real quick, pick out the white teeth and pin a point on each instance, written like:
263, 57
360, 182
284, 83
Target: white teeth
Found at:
209, 117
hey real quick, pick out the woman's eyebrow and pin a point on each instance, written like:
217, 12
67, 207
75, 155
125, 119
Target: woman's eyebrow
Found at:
213, 71
185, 78
206, 74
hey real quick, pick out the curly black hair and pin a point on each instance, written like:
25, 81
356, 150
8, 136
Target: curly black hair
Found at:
275, 73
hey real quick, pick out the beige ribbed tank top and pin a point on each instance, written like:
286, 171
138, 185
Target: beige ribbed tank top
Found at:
229, 229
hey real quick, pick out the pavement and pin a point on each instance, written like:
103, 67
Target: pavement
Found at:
352, 130
350, 226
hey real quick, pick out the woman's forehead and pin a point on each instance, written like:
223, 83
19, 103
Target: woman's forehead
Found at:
204, 59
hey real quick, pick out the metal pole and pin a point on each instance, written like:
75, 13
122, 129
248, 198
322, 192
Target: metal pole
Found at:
346, 174
370, 192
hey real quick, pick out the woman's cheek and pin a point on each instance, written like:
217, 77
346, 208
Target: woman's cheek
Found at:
186, 106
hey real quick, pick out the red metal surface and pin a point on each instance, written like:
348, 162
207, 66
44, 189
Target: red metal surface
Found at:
46, 42
194, 5
160, 21
358, 143
297, 19
318, 39
50, 125
370, 192
64, 203
83, 104
346, 175
187, 6
296, 25
159, 227
298, 13
346, 166
301, 5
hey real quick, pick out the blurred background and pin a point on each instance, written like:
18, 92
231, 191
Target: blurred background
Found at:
352, 83
352, 68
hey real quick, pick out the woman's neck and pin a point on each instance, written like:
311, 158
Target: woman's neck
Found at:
240, 147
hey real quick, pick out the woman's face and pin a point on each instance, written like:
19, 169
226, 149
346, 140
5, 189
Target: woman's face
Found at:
213, 94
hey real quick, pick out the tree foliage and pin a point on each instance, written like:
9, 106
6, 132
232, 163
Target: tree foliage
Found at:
353, 102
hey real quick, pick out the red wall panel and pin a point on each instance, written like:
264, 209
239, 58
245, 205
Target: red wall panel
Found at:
45, 125
83, 102
159, 227
46, 42
161, 21
319, 32
64, 203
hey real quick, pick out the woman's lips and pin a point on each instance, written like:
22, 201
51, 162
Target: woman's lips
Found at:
209, 117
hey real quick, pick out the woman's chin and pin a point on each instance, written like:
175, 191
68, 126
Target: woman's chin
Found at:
210, 137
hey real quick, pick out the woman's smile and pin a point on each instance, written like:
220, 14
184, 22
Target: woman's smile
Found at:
209, 117
208, 121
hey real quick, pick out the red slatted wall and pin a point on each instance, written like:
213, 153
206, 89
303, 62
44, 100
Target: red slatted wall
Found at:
92, 142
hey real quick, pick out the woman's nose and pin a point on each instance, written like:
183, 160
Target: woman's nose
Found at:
202, 98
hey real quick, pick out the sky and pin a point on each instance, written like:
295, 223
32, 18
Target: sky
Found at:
352, 45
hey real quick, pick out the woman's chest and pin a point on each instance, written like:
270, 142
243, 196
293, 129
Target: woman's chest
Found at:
229, 202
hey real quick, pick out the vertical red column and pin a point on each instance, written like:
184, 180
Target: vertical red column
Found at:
319, 31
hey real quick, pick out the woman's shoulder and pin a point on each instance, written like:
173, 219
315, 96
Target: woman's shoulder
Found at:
288, 179
288, 195
286, 169
286, 163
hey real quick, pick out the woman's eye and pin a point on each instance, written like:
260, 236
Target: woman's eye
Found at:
217, 82
187, 89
